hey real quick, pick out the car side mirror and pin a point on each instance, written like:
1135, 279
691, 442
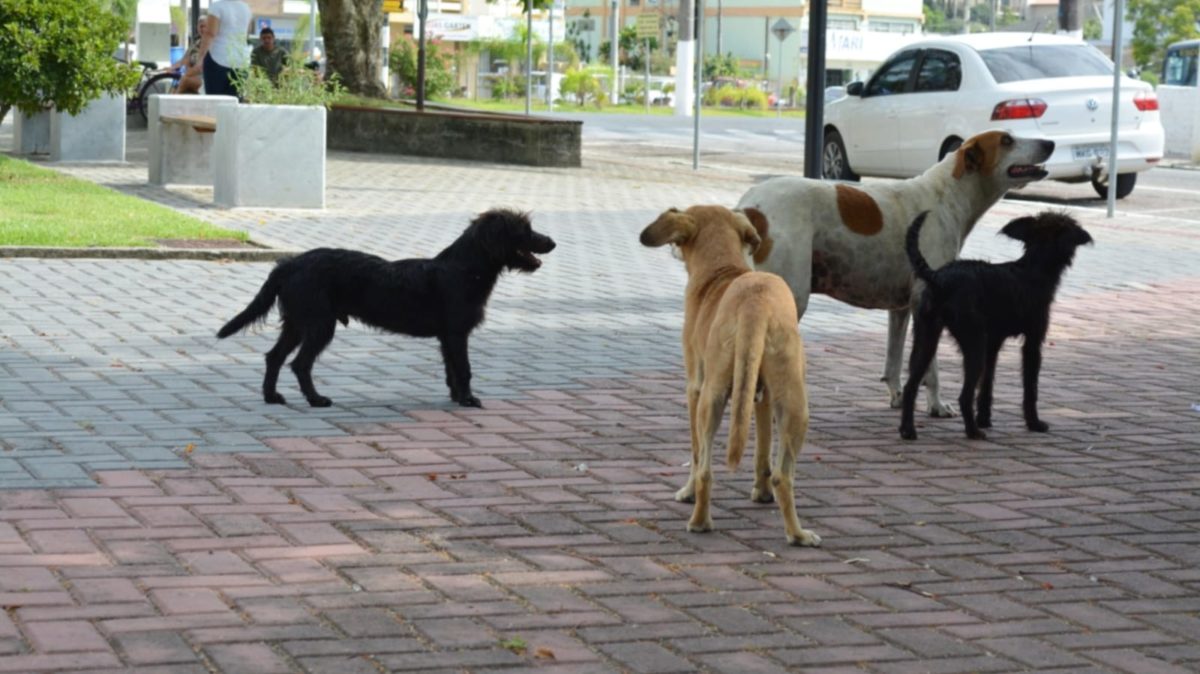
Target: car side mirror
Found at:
854, 89
1133, 73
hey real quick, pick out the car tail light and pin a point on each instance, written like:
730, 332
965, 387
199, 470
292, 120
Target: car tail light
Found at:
1019, 108
1146, 101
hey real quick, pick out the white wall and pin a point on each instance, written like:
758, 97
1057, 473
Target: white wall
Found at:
1179, 108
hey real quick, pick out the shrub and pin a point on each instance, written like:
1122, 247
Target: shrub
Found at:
296, 85
59, 52
439, 67
584, 85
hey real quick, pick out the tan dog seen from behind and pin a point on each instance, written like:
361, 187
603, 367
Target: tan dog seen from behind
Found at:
740, 337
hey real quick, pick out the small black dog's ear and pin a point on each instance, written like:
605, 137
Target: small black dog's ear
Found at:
1020, 229
670, 227
495, 231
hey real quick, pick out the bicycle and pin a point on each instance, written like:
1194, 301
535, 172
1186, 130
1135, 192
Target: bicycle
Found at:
153, 81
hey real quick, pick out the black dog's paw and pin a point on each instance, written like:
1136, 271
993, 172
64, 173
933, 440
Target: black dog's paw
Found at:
1037, 426
319, 401
273, 398
469, 401
976, 434
908, 433
983, 421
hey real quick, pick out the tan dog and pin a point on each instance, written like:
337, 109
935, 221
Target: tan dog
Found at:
739, 335
848, 241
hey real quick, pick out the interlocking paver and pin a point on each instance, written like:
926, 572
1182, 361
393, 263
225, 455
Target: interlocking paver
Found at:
167, 518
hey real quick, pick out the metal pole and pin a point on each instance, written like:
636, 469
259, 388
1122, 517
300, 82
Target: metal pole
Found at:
528, 56
195, 19
550, 63
614, 45
719, 52
422, 14
1116, 106
699, 29
814, 113
312, 29
647, 86
779, 83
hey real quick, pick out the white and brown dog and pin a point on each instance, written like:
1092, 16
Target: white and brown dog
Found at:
740, 336
848, 241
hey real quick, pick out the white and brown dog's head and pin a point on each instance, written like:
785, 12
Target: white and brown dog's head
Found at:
1000, 157
704, 233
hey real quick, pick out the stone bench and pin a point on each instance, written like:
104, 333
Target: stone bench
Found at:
182, 134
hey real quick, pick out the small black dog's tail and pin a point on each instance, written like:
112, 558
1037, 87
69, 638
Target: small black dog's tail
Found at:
913, 247
259, 307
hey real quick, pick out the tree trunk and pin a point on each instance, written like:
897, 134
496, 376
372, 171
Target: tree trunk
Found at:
353, 44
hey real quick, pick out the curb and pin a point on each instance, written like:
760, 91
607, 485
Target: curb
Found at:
226, 254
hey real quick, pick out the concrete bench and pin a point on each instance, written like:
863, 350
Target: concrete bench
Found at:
182, 135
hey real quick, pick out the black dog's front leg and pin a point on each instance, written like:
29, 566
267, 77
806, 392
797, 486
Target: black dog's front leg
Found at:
458, 370
1031, 366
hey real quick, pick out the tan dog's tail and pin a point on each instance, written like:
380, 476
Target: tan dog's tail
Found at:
748, 348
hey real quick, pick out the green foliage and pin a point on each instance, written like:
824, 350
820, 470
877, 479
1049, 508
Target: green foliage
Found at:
1149, 76
1093, 29
300, 37
296, 85
439, 67
179, 22
584, 85
729, 96
508, 87
1158, 23
60, 53
631, 50
716, 66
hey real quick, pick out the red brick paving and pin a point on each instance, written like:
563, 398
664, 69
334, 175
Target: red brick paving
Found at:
548, 522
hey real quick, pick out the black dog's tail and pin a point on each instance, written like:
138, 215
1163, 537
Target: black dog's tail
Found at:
912, 245
259, 307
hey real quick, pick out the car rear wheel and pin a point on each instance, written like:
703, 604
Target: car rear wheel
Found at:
834, 164
1125, 183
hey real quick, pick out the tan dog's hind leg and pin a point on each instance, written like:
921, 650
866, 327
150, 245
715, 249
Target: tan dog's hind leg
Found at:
791, 411
687, 493
761, 493
709, 410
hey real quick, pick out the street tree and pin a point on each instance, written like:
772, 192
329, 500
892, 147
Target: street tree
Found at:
353, 43
1158, 23
59, 53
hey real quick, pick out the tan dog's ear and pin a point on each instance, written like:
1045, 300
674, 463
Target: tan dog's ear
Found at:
759, 221
750, 233
670, 227
969, 157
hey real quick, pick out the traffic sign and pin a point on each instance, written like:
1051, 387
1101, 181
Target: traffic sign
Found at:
390, 6
647, 26
782, 29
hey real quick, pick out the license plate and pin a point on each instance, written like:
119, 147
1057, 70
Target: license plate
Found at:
1090, 151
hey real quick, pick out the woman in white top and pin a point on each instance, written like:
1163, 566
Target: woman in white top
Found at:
223, 50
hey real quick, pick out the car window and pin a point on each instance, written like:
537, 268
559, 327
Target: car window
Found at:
892, 78
940, 71
1180, 69
1041, 61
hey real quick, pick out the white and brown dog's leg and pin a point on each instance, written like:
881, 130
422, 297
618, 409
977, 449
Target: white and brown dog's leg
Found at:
897, 331
933, 399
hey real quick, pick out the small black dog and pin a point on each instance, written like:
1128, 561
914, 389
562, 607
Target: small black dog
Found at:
984, 304
443, 297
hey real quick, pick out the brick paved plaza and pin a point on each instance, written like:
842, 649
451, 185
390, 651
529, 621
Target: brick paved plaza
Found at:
157, 516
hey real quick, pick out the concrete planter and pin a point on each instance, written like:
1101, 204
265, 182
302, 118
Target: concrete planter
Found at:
97, 134
504, 139
269, 156
31, 133
179, 154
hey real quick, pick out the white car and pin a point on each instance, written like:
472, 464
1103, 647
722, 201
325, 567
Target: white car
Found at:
929, 96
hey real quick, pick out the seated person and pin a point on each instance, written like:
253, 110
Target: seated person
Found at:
268, 56
193, 72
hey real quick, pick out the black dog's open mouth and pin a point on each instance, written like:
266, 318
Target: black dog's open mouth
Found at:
528, 260
1027, 172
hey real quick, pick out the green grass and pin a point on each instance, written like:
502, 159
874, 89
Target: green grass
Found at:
517, 105
39, 207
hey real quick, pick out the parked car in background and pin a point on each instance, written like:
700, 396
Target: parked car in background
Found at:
931, 95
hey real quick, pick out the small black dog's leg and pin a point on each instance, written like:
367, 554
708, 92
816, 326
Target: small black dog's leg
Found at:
1031, 366
983, 417
289, 339
974, 357
458, 369
927, 329
316, 338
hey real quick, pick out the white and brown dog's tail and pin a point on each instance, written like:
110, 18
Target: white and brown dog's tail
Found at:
748, 346
912, 244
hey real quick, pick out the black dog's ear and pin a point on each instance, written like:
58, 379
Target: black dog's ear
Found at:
670, 227
1020, 229
496, 231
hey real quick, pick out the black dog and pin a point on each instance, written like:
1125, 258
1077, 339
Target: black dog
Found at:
443, 297
984, 304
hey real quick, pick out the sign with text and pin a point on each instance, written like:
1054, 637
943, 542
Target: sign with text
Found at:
647, 26
390, 6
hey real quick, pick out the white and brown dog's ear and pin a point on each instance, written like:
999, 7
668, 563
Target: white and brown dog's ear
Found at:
672, 227
762, 227
968, 158
750, 234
